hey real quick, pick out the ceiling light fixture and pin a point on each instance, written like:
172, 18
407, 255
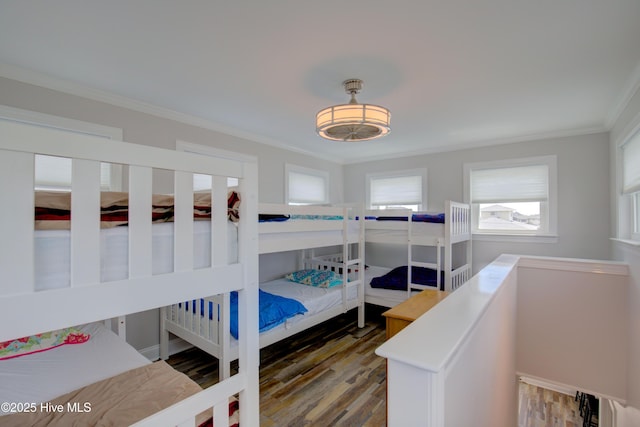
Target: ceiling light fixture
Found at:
353, 122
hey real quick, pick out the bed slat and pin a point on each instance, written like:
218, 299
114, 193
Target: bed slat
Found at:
219, 221
183, 222
85, 222
16, 245
140, 230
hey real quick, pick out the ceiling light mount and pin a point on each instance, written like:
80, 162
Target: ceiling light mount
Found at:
353, 122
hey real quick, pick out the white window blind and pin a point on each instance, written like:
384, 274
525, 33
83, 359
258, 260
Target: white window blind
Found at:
513, 184
306, 188
631, 165
54, 173
204, 182
398, 191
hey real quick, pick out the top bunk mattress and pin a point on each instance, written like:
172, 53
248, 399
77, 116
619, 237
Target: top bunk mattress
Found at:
53, 257
297, 234
396, 231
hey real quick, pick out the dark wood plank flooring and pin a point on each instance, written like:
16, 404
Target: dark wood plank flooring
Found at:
327, 375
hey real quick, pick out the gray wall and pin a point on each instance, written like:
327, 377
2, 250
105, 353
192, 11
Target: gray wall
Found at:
583, 192
140, 128
147, 129
629, 253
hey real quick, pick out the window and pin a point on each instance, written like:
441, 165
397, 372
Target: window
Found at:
305, 186
204, 182
513, 197
635, 235
396, 190
631, 180
54, 173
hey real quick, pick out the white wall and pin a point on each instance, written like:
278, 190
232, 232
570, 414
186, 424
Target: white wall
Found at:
583, 193
140, 128
628, 416
572, 324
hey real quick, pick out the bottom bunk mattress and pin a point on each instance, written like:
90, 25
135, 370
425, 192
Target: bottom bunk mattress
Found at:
118, 401
314, 299
43, 376
390, 297
103, 381
299, 302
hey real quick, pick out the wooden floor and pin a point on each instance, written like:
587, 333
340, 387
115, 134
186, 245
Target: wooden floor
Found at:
328, 375
540, 407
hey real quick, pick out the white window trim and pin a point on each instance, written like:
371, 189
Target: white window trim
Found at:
422, 172
626, 215
214, 152
548, 236
288, 167
71, 125
206, 150
635, 217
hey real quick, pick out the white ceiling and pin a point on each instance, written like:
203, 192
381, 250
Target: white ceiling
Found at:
454, 74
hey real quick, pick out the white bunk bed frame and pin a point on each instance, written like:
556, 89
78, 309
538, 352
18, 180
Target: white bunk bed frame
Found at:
456, 229
209, 331
86, 299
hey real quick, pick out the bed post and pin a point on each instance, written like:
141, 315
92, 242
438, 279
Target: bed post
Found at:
361, 268
164, 334
345, 255
450, 220
249, 344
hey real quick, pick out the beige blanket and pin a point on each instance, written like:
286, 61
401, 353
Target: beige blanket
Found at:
117, 401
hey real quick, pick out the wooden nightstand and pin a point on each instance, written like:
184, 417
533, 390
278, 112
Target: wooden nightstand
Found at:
406, 312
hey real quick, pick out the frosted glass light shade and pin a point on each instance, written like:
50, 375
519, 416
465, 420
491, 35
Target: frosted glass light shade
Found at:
353, 122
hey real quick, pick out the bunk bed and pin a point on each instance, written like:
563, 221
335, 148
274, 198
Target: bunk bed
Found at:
410, 229
206, 324
71, 310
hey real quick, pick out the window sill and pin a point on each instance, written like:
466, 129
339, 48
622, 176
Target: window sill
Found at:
635, 243
516, 238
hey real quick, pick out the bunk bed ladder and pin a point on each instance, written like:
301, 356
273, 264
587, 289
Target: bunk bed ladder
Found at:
411, 262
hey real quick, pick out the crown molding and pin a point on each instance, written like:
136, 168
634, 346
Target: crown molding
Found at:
630, 89
72, 88
487, 143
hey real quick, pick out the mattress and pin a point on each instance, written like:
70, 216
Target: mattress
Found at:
313, 298
389, 296
303, 234
316, 300
390, 231
52, 252
43, 376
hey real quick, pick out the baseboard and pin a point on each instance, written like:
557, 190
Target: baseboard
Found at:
176, 345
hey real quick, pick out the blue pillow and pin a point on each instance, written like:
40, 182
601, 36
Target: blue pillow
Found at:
274, 310
317, 278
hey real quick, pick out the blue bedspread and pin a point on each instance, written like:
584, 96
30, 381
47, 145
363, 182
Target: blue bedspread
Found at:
435, 218
274, 310
397, 278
